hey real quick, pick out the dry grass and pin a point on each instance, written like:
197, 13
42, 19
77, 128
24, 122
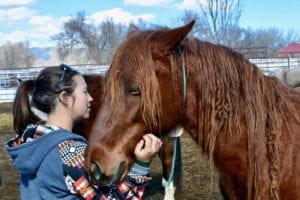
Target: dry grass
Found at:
6, 120
9, 175
197, 181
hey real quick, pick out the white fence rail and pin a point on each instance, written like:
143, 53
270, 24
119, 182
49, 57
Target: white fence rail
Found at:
9, 77
269, 65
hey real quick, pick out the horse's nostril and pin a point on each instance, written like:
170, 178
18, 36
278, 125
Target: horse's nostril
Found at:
100, 179
117, 176
95, 173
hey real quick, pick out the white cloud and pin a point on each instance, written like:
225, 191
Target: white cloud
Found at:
40, 20
19, 13
39, 31
15, 14
148, 3
43, 27
119, 16
16, 36
9, 3
189, 5
37, 40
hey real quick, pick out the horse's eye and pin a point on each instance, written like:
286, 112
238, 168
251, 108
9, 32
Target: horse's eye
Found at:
134, 91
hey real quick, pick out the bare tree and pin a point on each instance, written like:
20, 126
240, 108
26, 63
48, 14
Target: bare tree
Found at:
98, 42
111, 35
220, 20
272, 39
217, 21
16, 55
291, 36
78, 37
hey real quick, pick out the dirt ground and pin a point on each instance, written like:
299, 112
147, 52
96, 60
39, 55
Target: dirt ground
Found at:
197, 183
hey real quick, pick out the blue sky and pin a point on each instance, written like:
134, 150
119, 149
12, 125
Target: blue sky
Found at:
36, 20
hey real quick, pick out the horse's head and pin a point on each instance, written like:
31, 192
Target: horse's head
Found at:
144, 93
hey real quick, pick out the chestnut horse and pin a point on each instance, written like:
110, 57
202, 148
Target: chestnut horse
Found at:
246, 123
171, 161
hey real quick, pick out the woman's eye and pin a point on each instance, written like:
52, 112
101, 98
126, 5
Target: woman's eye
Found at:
134, 91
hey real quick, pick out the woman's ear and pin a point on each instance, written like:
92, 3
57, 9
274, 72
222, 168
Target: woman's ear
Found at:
63, 98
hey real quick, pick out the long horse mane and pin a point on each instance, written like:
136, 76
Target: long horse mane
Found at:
227, 85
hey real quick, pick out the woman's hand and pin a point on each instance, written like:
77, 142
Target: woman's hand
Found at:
147, 147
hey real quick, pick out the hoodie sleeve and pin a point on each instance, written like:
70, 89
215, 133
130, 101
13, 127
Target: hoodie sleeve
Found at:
77, 180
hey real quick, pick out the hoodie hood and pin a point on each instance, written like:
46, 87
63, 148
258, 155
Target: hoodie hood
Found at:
28, 156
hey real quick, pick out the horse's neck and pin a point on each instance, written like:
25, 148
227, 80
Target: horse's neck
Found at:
203, 99
191, 115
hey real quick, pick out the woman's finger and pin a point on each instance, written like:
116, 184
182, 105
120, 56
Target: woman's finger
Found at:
148, 141
153, 142
141, 144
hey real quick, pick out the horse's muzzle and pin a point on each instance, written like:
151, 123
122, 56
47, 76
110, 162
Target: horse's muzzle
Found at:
100, 179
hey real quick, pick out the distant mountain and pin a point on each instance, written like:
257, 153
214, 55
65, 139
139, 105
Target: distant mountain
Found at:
41, 52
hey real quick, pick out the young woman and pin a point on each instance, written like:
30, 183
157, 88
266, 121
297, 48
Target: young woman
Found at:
49, 156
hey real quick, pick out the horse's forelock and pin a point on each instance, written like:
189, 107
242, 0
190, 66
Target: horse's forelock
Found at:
150, 93
136, 49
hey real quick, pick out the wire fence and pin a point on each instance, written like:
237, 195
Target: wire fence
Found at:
269, 65
9, 78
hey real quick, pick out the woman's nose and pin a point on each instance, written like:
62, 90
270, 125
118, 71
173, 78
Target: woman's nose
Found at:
90, 98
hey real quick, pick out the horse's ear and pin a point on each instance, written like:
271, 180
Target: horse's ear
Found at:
132, 29
171, 38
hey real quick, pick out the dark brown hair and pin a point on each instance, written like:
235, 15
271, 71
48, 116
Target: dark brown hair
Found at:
41, 93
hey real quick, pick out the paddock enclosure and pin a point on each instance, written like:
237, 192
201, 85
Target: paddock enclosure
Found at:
198, 183
196, 176
9, 77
